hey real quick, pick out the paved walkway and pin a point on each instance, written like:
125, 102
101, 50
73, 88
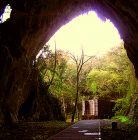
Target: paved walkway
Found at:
83, 130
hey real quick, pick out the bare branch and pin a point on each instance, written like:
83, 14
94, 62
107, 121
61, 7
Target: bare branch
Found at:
74, 58
88, 59
79, 64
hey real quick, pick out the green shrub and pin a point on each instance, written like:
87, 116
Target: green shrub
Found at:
122, 119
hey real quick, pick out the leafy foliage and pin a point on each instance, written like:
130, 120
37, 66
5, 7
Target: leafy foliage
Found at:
110, 76
115, 80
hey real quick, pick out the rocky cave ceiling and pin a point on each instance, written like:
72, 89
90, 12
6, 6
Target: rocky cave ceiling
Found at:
32, 23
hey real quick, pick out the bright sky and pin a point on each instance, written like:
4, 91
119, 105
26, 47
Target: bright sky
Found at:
6, 13
86, 31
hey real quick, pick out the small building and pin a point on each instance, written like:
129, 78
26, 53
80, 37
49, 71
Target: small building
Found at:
97, 109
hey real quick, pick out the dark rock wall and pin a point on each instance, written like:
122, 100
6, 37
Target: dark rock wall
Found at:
31, 25
39, 105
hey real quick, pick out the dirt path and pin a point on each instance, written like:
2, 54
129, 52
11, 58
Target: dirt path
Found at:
83, 130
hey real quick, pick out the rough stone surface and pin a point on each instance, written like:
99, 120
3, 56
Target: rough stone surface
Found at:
31, 25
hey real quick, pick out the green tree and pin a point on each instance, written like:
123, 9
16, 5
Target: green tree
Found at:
46, 64
112, 77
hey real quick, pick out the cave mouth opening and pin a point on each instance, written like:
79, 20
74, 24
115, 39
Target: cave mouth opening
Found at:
86, 31
35, 40
90, 31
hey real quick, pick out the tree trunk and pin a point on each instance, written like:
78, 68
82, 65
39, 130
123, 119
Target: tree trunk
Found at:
78, 114
76, 100
64, 106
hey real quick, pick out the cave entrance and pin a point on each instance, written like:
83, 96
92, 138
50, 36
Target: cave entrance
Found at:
86, 36
95, 35
32, 24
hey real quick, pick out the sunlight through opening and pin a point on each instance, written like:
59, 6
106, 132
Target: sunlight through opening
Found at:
87, 32
89, 86
6, 14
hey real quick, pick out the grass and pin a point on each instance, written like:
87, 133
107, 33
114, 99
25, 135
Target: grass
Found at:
52, 128
126, 130
123, 119
32, 130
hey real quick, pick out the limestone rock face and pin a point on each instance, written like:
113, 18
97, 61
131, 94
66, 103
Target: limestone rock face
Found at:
31, 25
